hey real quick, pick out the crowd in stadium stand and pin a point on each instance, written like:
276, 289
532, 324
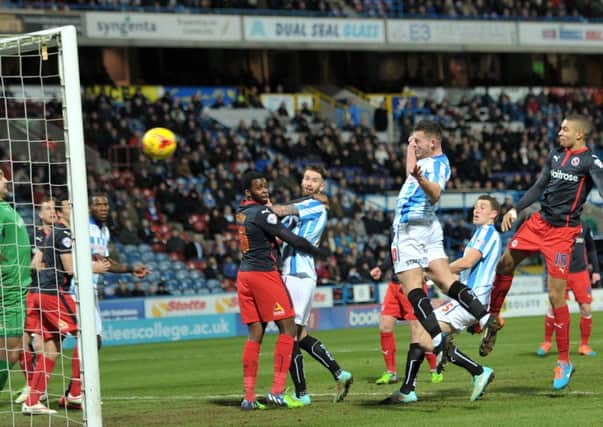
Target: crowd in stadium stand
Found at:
184, 206
298, 7
198, 187
473, 9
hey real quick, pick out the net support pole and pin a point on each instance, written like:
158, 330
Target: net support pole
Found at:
80, 225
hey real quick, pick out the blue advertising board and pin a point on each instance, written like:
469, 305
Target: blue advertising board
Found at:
169, 329
122, 309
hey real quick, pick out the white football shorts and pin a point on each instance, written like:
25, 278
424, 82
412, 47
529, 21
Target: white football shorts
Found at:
301, 290
455, 315
416, 245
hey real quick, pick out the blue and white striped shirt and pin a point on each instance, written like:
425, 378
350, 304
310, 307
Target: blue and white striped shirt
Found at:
99, 243
311, 223
480, 277
413, 204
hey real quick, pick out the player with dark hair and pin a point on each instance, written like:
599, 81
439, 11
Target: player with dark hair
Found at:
99, 245
263, 297
417, 244
476, 268
568, 175
580, 283
48, 216
308, 218
15, 277
55, 307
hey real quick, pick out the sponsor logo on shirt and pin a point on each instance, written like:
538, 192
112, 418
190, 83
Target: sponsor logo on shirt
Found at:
278, 309
564, 176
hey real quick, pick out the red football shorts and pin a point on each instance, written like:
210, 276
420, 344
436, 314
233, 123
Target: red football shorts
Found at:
33, 321
56, 314
555, 243
263, 297
579, 283
396, 304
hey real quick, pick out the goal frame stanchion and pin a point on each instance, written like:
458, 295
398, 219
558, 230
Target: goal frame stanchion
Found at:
75, 153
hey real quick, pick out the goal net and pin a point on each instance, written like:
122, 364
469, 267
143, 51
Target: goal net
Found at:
42, 156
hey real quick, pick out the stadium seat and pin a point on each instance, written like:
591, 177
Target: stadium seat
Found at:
196, 274
147, 257
153, 277
182, 275
178, 265
161, 257
214, 285
164, 266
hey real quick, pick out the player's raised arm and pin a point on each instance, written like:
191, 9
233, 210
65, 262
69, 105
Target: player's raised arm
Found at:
270, 224
284, 210
529, 197
431, 189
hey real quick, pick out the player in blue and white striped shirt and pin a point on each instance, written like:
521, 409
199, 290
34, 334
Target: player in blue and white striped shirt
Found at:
308, 217
477, 268
417, 244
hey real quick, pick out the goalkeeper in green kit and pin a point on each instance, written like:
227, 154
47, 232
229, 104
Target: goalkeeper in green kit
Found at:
15, 277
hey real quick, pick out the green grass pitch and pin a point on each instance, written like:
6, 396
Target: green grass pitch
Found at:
199, 383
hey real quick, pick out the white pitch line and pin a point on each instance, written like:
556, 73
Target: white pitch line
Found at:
383, 395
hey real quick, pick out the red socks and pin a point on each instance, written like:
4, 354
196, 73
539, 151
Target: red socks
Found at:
388, 348
75, 387
251, 356
562, 323
549, 322
26, 363
431, 359
282, 360
586, 327
40, 379
500, 289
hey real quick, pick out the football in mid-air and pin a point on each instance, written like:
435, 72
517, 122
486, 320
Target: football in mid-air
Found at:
159, 143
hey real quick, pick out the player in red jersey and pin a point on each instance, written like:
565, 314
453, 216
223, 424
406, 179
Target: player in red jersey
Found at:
397, 307
262, 294
569, 174
579, 282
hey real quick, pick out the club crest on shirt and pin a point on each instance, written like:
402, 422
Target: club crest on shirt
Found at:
66, 242
575, 161
272, 219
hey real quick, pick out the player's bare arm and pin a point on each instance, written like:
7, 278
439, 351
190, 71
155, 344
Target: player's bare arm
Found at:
36, 261
468, 260
431, 189
138, 271
530, 196
67, 261
284, 210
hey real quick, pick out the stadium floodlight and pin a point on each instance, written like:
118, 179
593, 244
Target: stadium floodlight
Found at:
42, 147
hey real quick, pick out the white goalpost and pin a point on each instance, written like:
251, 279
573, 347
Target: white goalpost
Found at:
42, 145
